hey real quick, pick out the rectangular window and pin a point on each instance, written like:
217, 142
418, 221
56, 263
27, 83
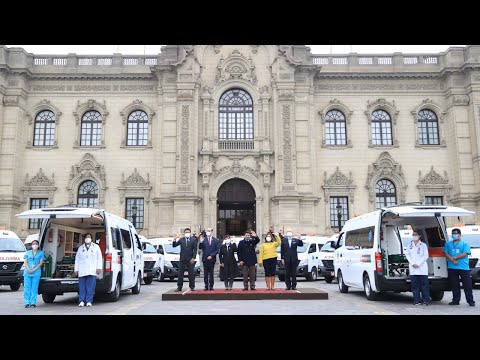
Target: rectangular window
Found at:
116, 238
434, 200
134, 211
338, 206
360, 238
37, 203
127, 240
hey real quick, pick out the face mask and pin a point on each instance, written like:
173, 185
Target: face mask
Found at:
187, 235
227, 242
416, 237
269, 238
34, 247
455, 236
289, 234
88, 240
209, 233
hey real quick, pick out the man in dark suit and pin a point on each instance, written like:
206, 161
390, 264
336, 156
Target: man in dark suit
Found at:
290, 258
210, 246
228, 263
188, 252
247, 257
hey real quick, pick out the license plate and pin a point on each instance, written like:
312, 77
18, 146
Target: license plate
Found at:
332, 273
185, 273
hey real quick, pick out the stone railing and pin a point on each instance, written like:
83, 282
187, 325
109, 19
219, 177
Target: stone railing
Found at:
376, 60
236, 145
73, 60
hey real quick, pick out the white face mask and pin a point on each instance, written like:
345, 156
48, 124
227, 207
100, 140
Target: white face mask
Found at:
35, 247
88, 240
227, 242
209, 233
187, 235
269, 238
415, 238
289, 234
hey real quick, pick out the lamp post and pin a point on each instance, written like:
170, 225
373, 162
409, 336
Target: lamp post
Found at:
134, 215
339, 216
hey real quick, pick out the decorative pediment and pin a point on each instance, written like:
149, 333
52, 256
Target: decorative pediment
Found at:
381, 103
42, 105
87, 169
89, 105
40, 180
236, 168
135, 186
234, 67
337, 178
432, 178
386, 168
338, 184
135, 179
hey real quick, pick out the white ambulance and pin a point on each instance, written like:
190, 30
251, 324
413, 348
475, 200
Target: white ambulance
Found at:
61, 234
369, 253
12, 251
471, 235
325, 257
151, 259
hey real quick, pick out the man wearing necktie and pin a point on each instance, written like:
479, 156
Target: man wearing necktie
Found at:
290, 258
210, 246
188, 253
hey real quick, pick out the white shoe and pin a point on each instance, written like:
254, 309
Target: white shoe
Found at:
89, 304
81, 304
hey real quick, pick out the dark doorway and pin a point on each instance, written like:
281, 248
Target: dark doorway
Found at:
235, 208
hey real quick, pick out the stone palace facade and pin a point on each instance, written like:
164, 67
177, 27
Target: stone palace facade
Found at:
237, 137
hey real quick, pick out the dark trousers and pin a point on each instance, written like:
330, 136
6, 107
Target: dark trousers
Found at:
291, 273
420, 284
454, 276
208, 273
86, 288
230, 269
191, 274
248, 273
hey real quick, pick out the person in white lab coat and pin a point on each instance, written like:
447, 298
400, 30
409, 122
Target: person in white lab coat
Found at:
88, 263
417, 255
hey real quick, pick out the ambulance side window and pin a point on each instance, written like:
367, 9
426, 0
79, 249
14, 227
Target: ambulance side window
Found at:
116, 238
127, 240
313, 248
139, 244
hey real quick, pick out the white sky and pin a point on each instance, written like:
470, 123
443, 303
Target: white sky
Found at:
155, 49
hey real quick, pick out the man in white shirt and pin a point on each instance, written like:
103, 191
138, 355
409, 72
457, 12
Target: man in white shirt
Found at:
417, 255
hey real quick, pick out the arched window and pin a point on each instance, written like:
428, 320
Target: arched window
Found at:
137, 130
88, 194
236, 115
91, 133
385, 193
381, 128
44, 134
335, 128
427, 128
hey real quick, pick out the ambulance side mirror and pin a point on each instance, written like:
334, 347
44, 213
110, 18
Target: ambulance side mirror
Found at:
160, 251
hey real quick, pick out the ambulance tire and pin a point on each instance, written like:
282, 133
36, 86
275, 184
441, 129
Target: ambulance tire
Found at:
312, 275
328, 279
115, 294
48, 298
341, 285
436, 295
148, 280
367, 287
136, 288
15, 286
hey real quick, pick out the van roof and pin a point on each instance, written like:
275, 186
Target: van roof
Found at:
8, 234
466, 229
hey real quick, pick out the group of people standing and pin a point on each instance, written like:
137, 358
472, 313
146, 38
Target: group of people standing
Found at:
456, 251
247, 258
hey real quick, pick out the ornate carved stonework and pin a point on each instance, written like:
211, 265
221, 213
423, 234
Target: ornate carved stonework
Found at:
433, 184
254, 48
39, 186
386, 168
185, 94
91, 87
137, 88
10, 100
461, 100
339, 185
286, 94
236, 168
44, 87
388, 85
382, 104
336, 104
40, 180
135, 185
287, 145
217, 48
432, 178
234, 67
184, 144
91, 104
87, 169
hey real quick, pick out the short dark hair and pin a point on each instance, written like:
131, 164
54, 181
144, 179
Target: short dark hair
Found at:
35, 241
187, 229
457, 230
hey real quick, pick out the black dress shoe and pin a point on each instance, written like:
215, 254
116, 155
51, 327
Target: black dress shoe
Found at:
294, 288
453, 303
34, 305
211, 288
287, 288
245, 289
206, 289
471, 303
178, 289
27, 306
192, 289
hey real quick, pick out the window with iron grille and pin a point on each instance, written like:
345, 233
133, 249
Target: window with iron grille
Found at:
335, 128
88, 194
385, 194
338, 206
134, 211
235, 115
381, 128
91, 133
44, 133
434, 200
137, 129
36, 203
427, 128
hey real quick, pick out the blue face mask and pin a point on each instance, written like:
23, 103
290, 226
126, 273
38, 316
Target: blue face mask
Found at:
455, 236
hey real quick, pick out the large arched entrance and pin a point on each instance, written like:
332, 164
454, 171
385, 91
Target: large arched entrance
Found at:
235, 208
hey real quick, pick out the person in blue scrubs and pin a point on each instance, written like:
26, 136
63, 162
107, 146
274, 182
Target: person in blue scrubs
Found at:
31, 275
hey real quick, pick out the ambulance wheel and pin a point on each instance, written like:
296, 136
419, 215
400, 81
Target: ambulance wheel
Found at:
115, 294
136, 288
328, 279
161, 276
436, 295
312, 275
281, 277
341, 285
15, 286
148, 280
48, 298
371, 295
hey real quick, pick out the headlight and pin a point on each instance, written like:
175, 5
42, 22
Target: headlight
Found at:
23, 267
168, 263
303, 262
478, 263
